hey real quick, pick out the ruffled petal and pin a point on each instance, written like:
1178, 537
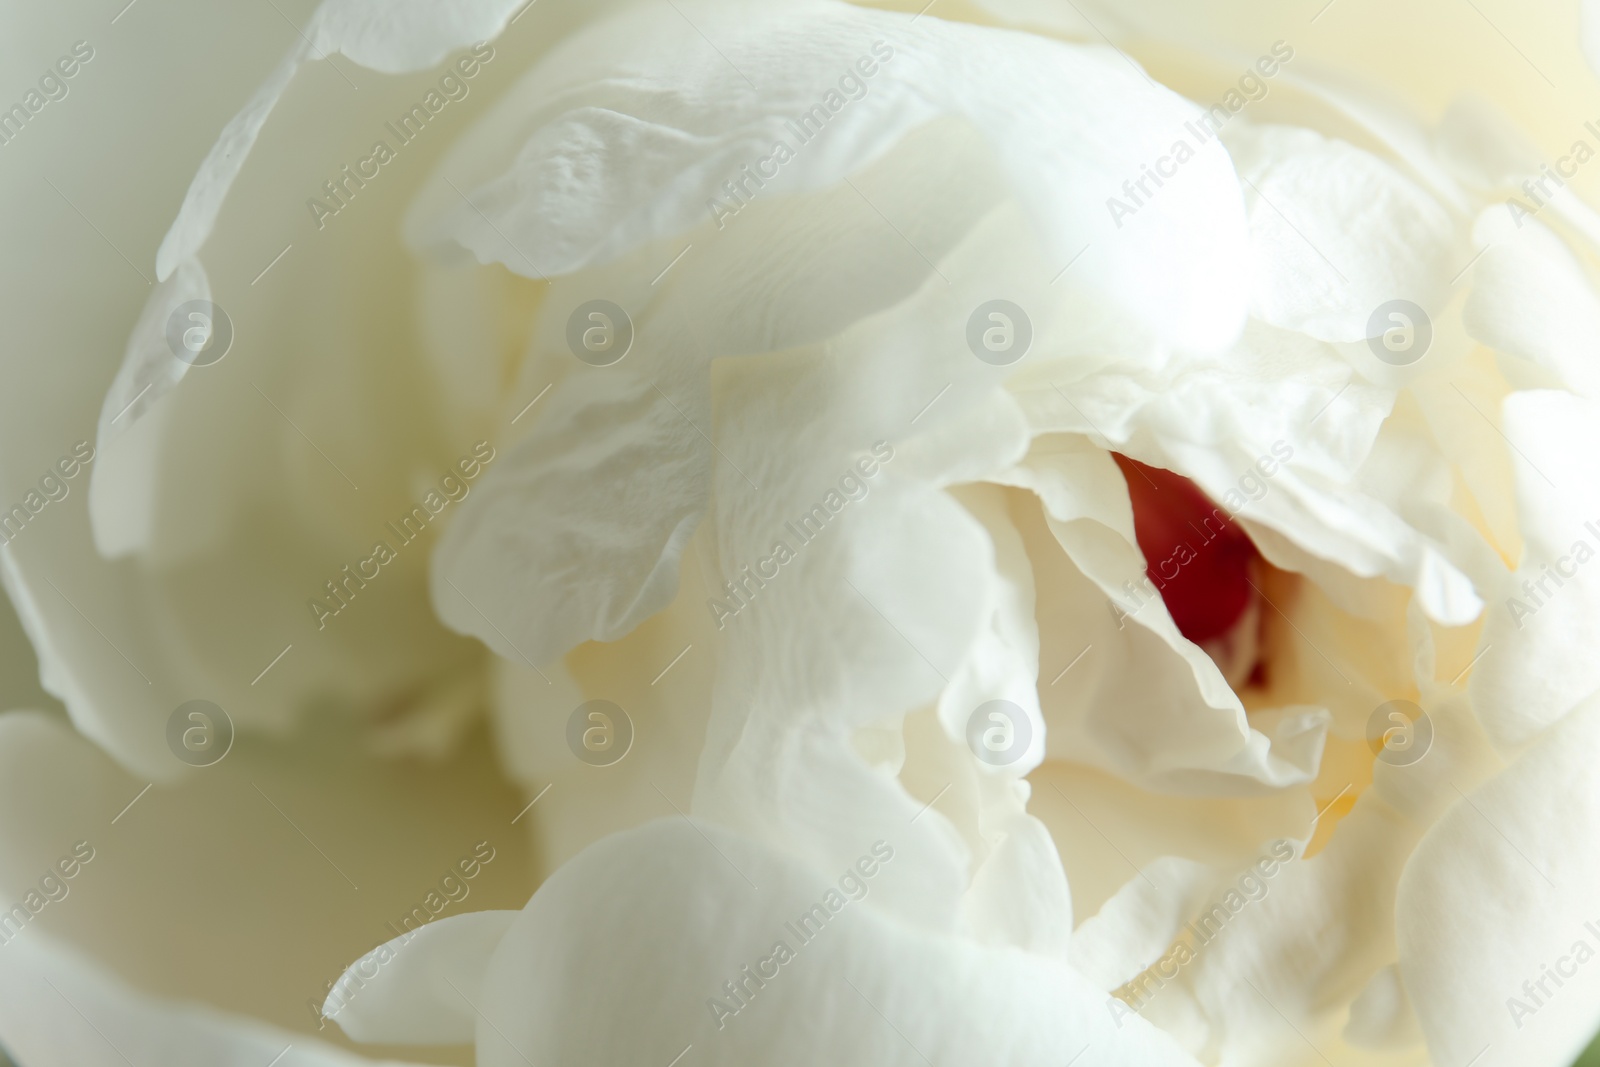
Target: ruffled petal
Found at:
1336, 232
691, 912
1283, 432
388, 37
545, 528
1172, 721
627, 147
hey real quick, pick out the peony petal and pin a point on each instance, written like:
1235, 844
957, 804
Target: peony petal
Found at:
1277, 956
1019, 896
1134, 928
1532, 299
660, 675
1378, 113
59, 1010
716, 904
556, 535
850, 636
854, 593
256, 857
419, 988
1273, 972
392, 37
1003, 663
148, 372
111, 699
1536, 665
637, 149
1483, 146
613, 456
498, 229
1499, 896
210, 185
1173, 722
1107, 831
178, 489
1381, 1017
1311, 453
1336, 232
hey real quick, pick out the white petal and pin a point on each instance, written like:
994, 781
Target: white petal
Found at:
850, 621
395, 38
1107, 830
221, 166
1381, 1017
630, 143
147, 373
59, 1010
1456, 408
1484, 146
1500, 890
389, 37
1389, 121
613, 461
1003, 663
419, 989
1132, 929
1282, 432
1019, 896
684, 908
110, 697
1144, 701
1300, 942
661, 675
519, 216
173, 868
1277, 957
1336, 232
544, 528
1537, 663
1532, 299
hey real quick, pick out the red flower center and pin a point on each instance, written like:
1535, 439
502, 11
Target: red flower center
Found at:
1194, 553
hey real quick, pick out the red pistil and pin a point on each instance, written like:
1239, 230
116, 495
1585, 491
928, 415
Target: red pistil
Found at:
1195, 554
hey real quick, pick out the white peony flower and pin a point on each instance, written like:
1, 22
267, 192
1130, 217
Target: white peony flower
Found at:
706, 532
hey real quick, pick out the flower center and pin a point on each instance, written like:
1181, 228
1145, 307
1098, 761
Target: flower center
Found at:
1195, 554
